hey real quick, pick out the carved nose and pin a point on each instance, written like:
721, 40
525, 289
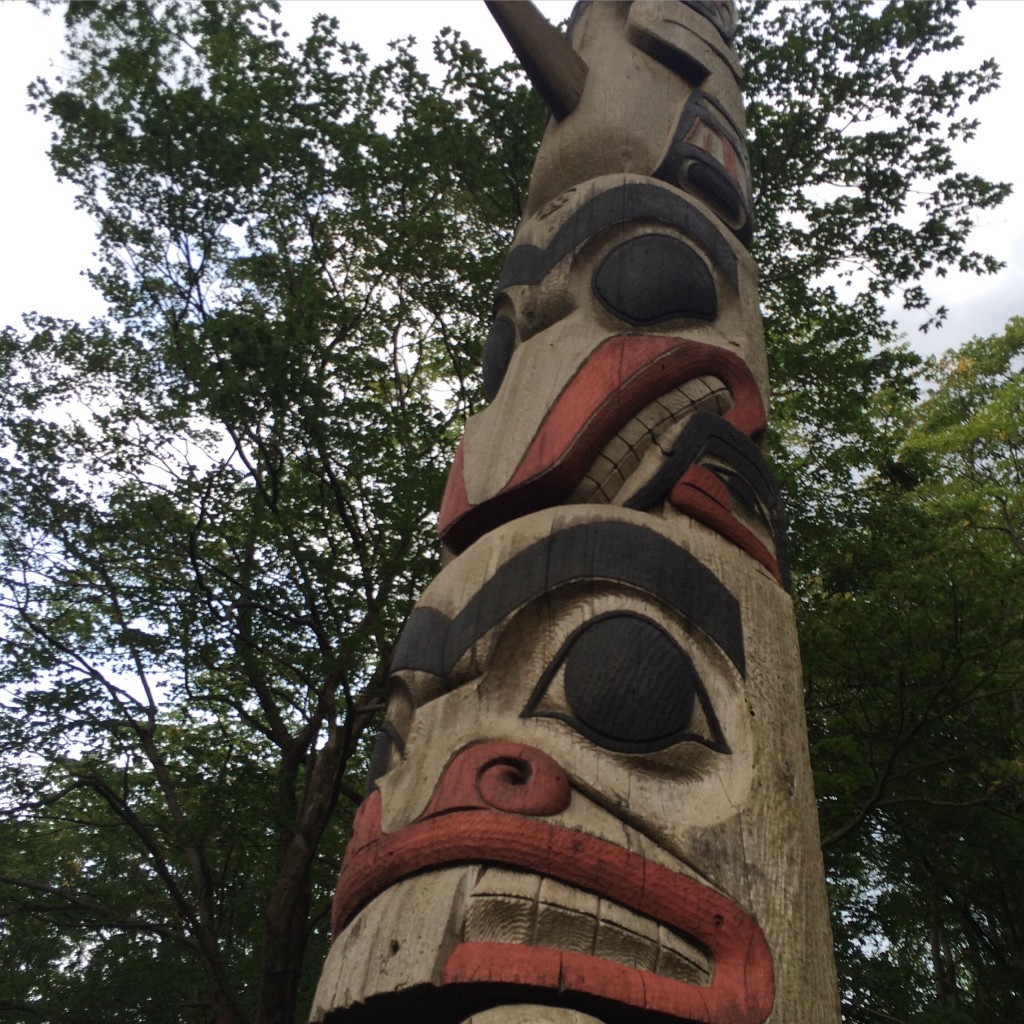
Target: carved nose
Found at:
502, 776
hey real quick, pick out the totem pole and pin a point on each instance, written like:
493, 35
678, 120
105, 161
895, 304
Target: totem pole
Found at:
591, 801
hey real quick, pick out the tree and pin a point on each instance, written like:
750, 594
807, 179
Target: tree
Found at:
857, 195
913, 661
216, 502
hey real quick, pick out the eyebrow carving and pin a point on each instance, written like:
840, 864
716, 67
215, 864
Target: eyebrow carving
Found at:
529, 264
612, 551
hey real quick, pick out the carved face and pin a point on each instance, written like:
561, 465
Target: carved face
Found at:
647, 61
624, 309
574, 725
628, 301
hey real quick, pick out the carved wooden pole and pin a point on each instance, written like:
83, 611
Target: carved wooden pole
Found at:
591, 802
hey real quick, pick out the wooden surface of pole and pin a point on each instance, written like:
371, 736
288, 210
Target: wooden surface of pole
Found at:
591, 801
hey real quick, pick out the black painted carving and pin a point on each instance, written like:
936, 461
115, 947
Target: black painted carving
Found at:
745, 473
688, 165
653, 278
612, 551
633, 201
498, 349
722, 192
630, 687
675, 57
422, 643
721, 15
682, 62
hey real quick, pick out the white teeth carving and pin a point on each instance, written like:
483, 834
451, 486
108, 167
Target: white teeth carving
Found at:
526, 909
654, 424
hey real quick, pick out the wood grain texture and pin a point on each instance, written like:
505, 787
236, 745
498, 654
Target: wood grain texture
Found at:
525, 1014
591, 802
638, 828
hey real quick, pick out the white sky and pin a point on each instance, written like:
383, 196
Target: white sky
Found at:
47, 242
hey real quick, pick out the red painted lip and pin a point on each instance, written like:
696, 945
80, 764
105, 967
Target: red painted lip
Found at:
622, 375
455, 831
700, 494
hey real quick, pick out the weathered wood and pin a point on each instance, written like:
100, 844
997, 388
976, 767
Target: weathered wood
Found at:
591, 802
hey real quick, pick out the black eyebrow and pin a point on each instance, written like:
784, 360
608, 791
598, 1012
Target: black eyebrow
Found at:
613, 551
529, 264
709, 435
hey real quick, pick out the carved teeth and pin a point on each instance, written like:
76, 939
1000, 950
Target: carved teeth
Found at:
526, 909
656, 423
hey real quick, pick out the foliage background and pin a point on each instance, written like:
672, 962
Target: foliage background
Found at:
216, 500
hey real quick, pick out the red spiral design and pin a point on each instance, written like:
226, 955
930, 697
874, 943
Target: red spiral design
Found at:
502, 776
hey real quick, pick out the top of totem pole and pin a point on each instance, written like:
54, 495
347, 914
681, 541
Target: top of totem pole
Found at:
612, 109
636, 227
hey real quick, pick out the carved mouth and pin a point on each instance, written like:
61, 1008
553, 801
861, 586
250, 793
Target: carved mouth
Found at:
655, 426
731, 983
625, 376
529, 910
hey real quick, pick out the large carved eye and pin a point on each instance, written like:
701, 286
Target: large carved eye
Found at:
656, 277
624, 683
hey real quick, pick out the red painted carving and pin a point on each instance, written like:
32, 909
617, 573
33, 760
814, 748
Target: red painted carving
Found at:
699, 493
717, 146
728, 1000
623, 375
502, 776
454, 501
452, 831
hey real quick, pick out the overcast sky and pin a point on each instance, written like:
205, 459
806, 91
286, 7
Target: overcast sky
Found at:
47, 243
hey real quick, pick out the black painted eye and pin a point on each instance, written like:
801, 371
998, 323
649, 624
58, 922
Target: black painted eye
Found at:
656, 277
628, 686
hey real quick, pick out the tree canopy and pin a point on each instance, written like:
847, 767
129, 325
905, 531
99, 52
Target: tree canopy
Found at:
216, 502
913, 662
